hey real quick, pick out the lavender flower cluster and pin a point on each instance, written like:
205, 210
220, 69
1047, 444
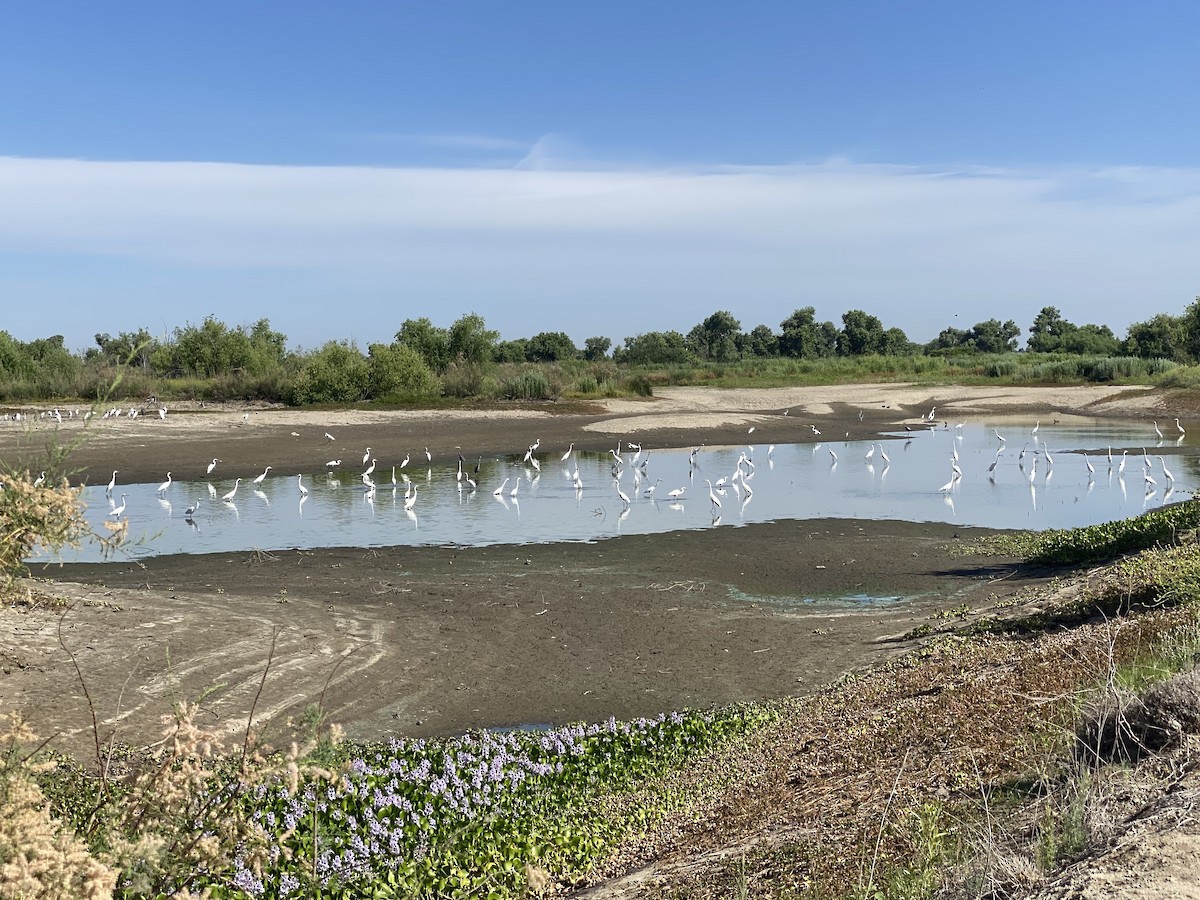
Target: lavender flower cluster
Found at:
409, 812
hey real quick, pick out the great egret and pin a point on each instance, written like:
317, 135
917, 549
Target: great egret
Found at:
367, 456
1180, 428
300, 482
118, 510
833, 455
999, 435
1036, 427
166, 484
716, 501
111, 484
870, 453
677, 493
393, 476
500, 490
1158, 431
428, 455
1046, 453
212, 465
1121, 467
333, 463
407, 456
370, 468
570, 449
410, 500
887, 460
1091, 469
191, 510
41, 479
263, 477
516, 484
1166, 472
328, 436
649, 492
624, 497
228, 498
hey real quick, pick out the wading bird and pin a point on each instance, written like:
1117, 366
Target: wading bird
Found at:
166, 484
366, 456
212, 465
677, 493
191, 510
41, 479
118, 510
500, 490
571, 449
228, 498
300, 482
1180, 428
263, 477
1158, 431
112, 483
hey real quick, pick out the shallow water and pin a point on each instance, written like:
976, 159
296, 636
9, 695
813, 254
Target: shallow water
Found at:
797, 481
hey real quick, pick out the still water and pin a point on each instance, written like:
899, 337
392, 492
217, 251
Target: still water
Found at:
798, 481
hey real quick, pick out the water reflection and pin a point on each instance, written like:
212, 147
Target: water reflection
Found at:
1063, 476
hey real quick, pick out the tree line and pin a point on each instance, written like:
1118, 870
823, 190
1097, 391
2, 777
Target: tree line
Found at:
467, 358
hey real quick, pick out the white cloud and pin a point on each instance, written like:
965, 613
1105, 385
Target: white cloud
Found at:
594, 251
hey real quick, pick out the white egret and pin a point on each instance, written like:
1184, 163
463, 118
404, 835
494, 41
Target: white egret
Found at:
228, 498
370, 468
1180, 428
328, 436
814, 430
393, 476
118, 510
1166, 472
887, 460
833, 455
500, 490
624, 497
263, 477
716, 501
410, 501
212, 465
1046, 453
1110, 457
333, 463
191, 510
999, 435
1148, 478
428, 455
212, 491
677, 493
570, 450
516, 484
166, 484
1021, 455
407, 456
1091, 469
870, 453
1158, 431
459, 475
470, 482
1036, 427
300, 482
649, 492
41, 479
948, 486
112, 483
1121, 467
535, 463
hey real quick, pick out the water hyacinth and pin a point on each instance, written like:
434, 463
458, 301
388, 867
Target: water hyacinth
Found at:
469, 814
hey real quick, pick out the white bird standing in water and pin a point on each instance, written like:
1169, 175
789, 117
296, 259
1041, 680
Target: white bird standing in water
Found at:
1166, 472
370, 468
410, 500
1091, 469
191, 510
166, 484
887, 460
228, 498
1158, 431
366, 456
571, 449
1180, 427
1121, 467
500, 490
300, 482
716, 502
263, 477
117, 511
516, 484
212, 465
111, 484
624, 497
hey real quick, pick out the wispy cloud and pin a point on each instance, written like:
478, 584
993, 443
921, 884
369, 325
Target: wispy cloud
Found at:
482, 142
612, 251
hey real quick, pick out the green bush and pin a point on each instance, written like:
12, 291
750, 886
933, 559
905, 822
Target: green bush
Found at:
531, 384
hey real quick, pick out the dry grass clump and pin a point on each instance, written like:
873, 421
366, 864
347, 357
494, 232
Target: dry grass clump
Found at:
39, 856
1127, 727
39, 512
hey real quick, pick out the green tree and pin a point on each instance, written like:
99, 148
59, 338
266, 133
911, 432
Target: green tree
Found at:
654, 348
551, 346
127, 348
861, 334
401, 372
993, 336
716, 337
1161, 337
1048, 330
427, 339
761, 341
803, 337
210, 349
596, 348
1091, 340
471, 340
337, 373
511, 351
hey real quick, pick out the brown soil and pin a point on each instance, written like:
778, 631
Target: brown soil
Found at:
430, 641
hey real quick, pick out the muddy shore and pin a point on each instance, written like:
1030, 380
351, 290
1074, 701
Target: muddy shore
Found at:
428, 641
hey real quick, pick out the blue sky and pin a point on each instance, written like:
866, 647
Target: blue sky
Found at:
598, 169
